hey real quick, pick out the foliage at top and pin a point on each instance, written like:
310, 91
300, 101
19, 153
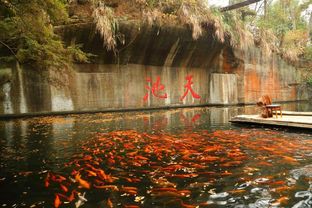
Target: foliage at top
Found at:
194, 13
277, 26
284, 30
27, 34
27, 27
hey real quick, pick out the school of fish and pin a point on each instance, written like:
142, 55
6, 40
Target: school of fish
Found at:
196, 169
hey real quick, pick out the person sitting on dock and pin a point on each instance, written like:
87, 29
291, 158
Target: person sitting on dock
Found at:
263, 102
268, 108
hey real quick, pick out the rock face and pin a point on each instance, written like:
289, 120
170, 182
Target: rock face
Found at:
154, 68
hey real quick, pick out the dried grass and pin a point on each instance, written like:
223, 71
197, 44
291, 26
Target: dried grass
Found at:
294, 44
267, 41
196, 14
106, 25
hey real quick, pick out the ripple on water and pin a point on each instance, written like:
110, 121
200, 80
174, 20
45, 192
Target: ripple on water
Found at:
305, 171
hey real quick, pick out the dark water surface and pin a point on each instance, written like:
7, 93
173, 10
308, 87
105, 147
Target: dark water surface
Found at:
173, 158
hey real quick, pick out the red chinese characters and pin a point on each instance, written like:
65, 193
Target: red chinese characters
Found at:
155, 89
189, 88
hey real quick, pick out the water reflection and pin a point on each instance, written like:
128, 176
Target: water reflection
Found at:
172, 158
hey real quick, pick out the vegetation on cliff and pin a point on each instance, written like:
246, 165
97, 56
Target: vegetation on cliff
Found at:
27, 27
196, 14
275, 26
27, 34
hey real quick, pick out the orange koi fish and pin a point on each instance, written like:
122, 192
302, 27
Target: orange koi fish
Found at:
113, 187
209, 159
278, 183
72, 196
238, 191
57, 178
46, 181
226, 173
281, 189
57, 201
290, 159
173, 167
130, 190
231, 163
213, 148
206, 173
82, 182
87, 157
91, 173
64, 188
132, 180
280, 201
131, 154
167, 194
109, 203
187, 205
131, 206
190, 175
139, 157
164, 189
264, 163
185, 192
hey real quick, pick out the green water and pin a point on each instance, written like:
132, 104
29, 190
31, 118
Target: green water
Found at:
172, 158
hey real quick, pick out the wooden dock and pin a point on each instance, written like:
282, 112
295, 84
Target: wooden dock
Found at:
290, 119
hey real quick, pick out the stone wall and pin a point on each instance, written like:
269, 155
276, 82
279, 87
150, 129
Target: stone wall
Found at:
158, 68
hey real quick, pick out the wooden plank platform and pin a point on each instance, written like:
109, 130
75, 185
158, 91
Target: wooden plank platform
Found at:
292, 119
296, 113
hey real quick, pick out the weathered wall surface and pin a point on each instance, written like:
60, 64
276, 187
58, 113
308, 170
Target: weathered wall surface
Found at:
158, 67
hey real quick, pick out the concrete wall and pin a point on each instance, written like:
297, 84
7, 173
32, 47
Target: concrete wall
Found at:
160, 68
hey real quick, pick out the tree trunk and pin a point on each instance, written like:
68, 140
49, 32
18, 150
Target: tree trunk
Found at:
265, 4
238, 5
310, 26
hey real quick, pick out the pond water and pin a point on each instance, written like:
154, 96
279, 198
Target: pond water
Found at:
170, 158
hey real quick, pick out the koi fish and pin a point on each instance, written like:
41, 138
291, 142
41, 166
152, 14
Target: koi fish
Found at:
167, 194
131, 154
231, 163
72, 196
164, 189
163, 182
263, 163
209, 159
290, 159
280, 201
213, 148
273, 183
281, 189
57, 178
46, 181
173, 167
113, 187
190, 175
139, 157
64, 188
109, 203
81, 200
185, 192
130, 190
87, 157
226, 173
187, 205
57, 201
91, 173
238, 191
82, 182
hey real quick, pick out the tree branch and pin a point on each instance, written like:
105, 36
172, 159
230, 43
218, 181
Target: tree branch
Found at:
238, 5
10, 49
